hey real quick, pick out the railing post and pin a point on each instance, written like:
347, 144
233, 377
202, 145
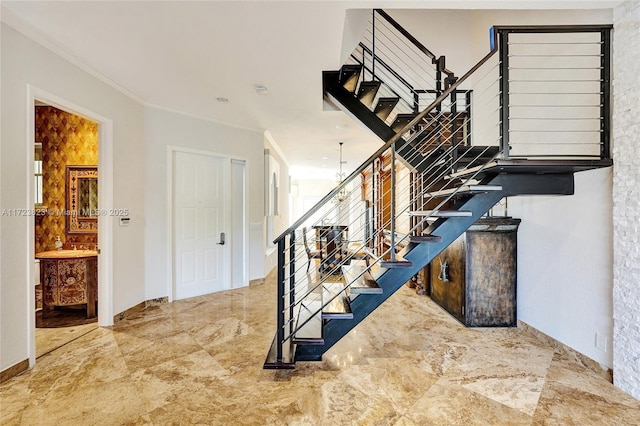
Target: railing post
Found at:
454, 130
438, 122
373, 42
374, 211
393, 202
280, 332
468, 112
605, 94
292, 278
504, 92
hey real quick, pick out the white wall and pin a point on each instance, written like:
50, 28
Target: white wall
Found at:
164, 128
462, 36
626, 196
565, 243
25, 62
565, 273
313, 188
281, 221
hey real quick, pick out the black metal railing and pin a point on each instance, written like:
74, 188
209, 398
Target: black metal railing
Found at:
481, 106
555, 89
391, 54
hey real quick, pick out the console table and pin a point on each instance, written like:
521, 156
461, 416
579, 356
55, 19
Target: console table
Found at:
69, 277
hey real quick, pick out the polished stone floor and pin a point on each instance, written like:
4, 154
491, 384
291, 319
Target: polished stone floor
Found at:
199, 361
61, 327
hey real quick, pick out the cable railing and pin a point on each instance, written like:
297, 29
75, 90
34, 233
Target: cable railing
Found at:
557, 91
391, 54
477, 119
349, 224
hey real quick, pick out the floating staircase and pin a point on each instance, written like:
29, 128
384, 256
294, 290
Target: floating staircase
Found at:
453, 183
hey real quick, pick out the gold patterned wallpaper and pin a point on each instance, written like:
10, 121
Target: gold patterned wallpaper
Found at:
66, 140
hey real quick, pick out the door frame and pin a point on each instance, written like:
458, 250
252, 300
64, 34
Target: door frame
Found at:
171, 150
105, 201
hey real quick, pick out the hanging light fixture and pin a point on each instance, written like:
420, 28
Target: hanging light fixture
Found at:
342, 195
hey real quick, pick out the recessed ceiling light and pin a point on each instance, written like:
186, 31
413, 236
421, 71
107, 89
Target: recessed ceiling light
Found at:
222, 99
325, 158
261, 89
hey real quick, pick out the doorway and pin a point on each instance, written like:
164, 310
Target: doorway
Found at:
74, 117
208, 223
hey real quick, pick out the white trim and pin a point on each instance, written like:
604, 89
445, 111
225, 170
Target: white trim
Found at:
246, 229
276, 147
105, 201
171, 149
201, 117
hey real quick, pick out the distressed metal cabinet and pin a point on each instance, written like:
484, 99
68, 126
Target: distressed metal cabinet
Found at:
474, 279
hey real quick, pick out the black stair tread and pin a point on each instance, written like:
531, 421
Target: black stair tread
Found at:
349, 75
534, 166
463, 190
385, 106
311, 332
425, 238
473, 156
360, 283
441, 213
288, 355
335, 301
402, 120
397, 263
367, 92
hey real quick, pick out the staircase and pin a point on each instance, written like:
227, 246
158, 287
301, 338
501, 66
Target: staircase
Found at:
450, 181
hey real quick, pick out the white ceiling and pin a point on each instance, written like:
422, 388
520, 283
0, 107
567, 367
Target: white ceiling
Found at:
183, 55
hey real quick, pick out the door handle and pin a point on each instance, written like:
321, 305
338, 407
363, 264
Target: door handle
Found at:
221, 242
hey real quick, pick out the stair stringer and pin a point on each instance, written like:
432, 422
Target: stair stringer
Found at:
351, 105
420, 254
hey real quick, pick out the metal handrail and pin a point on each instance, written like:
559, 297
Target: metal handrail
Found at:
384, 147
405, 33
387, 67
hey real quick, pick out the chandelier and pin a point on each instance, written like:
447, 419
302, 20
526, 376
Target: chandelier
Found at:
342, 195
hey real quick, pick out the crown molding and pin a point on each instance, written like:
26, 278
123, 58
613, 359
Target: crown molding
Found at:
31, 32
201, 117
276, 147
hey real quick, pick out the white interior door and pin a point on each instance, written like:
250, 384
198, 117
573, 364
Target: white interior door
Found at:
200, 224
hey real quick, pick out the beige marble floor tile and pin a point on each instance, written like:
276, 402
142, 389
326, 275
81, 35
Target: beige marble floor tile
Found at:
344, 405
404, 421
199, 361
404, 383
562, 405
566, 372
115, 402
220, 332
49, 339
167, 382
453, 405
436, 359
146, 352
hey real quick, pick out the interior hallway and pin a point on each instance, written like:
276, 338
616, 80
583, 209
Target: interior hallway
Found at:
199, 361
